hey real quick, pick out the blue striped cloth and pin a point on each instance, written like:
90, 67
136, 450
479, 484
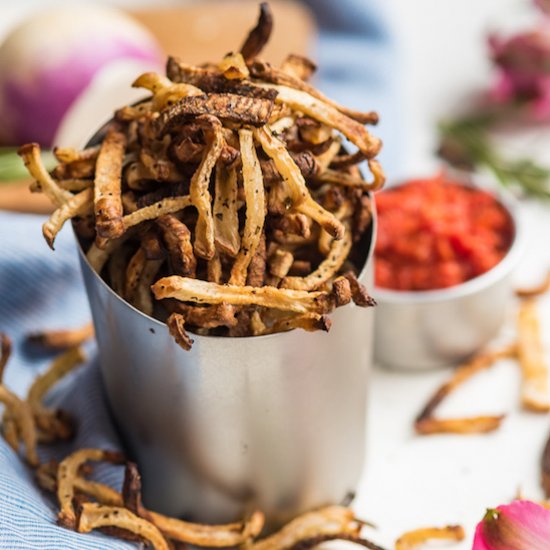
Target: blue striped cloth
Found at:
43, 289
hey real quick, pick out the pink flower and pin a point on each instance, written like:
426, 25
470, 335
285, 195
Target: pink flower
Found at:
523, 61
521, 525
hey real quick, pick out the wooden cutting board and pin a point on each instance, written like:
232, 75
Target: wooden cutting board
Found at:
198, 32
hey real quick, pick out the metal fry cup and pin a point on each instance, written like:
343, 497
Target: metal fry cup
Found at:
276, 422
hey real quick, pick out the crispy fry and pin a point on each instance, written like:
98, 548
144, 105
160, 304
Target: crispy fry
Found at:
134, 270
177, 238
337, 254
280, 263
315, 541
165, 92
259, 35
425, 422
309, 323
152, 247
75, 184
169, 205
107, 186
225, 106
198, 189
467, 425
535, 393
67, 155
347, 160
60, 367
255, 208
326, 157
233, 67
359, 293
202, 292
207, 316
418, 537
21, 413
332, 520
325, 113
535, 291
143, 298
226, 215
98, 257
215, 536
10, 431
298, 66
302, 200
93, 516
347, 180
30, 154
67, 473
176, 327
214, 269
77, 205
264, 71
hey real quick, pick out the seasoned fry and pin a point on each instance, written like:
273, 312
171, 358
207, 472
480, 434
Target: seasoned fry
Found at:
202, 292
63, 364
21, 413
30, 154
264, 71
98, 257
418, 537
198, 189
347, 180
177, 238
67, 155
143, 298
214, 269
62, 339
535, 393
332, 520
467, 425
315, 541
226, 215
207, 316
255, 208
325, 113
302, 200
176, 327
259, 35
298, 66
75, 185
77, 205
535, 291
93, 515
309, 323
234, 67
425, 422
225, 106
165, 92
214, 536
337, 254
169, 205
107, 186
134, 271
67, 473
359, 293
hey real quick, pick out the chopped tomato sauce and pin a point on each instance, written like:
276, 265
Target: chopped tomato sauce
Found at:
436, 233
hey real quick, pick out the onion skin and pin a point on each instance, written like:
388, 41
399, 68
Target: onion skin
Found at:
51, 58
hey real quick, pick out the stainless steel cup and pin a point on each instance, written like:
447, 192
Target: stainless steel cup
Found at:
273, 421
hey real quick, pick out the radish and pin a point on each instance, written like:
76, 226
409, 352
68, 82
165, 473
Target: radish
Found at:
49, 60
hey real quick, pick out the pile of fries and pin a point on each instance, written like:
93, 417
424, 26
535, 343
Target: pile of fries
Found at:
228, 193
535, 387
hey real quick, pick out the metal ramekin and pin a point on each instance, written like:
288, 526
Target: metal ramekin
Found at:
427, 329
273, 421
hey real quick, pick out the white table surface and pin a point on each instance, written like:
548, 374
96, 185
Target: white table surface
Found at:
413, 481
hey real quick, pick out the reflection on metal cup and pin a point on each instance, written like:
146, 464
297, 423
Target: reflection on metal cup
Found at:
275, 421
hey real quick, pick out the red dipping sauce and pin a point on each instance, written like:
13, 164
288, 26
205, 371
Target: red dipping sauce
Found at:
436, 233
